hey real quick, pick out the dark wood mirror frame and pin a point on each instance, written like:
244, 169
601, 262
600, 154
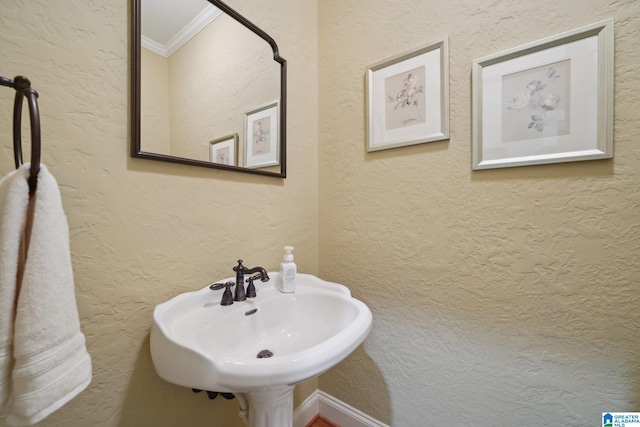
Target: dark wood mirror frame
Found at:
136, 46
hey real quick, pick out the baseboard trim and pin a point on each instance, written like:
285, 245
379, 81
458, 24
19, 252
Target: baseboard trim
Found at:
306, 411
332, 409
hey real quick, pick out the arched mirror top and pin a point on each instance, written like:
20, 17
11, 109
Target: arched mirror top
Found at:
208, 88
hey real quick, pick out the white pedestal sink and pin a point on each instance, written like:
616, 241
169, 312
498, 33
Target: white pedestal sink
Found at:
198, 343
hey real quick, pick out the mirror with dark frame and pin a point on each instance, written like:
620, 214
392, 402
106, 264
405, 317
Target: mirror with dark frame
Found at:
205, 88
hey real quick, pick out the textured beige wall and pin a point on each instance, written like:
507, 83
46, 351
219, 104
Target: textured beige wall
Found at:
500, 297
143, 231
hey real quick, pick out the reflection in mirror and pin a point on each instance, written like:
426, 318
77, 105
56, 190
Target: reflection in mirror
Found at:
203, 73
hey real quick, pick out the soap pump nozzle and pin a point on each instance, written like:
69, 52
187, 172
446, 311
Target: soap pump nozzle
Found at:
288, 255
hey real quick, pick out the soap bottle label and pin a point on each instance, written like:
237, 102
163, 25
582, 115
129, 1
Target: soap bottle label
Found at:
289, 275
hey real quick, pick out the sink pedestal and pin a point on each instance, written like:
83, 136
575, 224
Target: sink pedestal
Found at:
271, 407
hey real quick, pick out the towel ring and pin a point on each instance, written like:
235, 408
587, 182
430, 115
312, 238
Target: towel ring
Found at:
23, 88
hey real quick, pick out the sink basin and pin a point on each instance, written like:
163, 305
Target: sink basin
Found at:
198, 343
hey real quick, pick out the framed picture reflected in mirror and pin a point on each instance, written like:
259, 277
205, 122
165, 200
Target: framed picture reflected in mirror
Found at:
224, 150
261, 132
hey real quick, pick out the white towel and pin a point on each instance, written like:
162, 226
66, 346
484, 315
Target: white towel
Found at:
44, 349
14, 197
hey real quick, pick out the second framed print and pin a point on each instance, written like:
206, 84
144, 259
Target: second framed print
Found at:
548, 101
261, 136
408, 98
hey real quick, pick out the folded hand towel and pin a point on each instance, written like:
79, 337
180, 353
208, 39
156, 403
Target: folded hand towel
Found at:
51, 363
14, 197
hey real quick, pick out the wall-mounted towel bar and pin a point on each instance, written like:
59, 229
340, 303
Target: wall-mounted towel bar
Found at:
22, 85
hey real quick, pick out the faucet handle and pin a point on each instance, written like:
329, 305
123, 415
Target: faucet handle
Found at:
227, 295
251, 288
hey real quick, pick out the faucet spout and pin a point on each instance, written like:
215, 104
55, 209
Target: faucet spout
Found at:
264, 277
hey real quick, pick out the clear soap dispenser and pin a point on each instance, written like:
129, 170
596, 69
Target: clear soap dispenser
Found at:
287, 279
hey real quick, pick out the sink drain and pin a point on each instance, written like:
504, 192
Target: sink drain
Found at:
263, 354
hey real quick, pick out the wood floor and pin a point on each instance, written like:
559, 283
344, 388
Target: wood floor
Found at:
318, 421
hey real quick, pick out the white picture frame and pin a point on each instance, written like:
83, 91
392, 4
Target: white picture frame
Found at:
549, 101
223, 150
261, 136
408, 98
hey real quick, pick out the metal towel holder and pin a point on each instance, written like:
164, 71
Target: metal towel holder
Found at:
22, 85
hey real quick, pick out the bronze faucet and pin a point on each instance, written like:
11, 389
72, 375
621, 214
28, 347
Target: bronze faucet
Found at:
240, 293
241, 270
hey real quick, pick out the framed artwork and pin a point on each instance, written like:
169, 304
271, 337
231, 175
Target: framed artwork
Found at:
408, 98
223, 150
261, 136
548, 101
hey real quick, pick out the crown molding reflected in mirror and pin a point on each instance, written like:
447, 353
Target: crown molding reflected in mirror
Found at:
198, 126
